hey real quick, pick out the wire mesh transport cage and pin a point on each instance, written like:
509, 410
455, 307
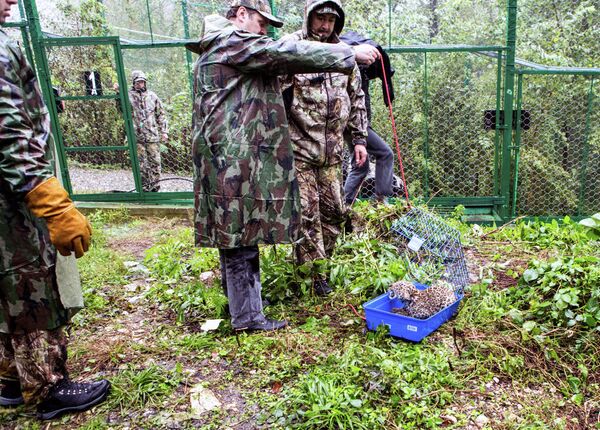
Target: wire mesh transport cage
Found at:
436, 260
430, 241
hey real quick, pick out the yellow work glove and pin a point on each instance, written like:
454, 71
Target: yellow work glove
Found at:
69, 230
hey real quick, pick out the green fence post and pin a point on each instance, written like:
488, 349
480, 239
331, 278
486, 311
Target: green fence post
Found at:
272, 30
517, 146
426, 128
586, 149
497, 125
150, 21
389, 23
25, 37
509, 85
188, 54
41, 64
127, 116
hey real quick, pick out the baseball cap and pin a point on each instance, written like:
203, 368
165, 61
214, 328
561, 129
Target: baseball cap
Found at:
262, 7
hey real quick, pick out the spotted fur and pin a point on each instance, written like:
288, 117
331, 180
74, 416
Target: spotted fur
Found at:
422, 304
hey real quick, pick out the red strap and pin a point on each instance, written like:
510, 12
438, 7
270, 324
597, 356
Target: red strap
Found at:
393, 121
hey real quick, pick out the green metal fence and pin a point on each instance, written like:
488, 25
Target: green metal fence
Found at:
557, 148
453, 107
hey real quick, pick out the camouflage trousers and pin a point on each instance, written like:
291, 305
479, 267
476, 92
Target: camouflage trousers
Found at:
150, 167
36, 359
323, 210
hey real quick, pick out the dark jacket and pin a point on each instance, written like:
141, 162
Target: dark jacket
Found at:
374, 70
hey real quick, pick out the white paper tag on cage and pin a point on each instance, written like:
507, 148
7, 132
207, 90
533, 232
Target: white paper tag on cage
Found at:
415, 243
411, 328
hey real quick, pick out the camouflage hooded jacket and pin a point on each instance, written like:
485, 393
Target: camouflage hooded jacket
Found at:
325, 105
149, 119
245, 187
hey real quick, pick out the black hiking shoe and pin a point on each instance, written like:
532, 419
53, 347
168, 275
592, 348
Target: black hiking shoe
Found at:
68, 396
10, 393
266, 325
322, 288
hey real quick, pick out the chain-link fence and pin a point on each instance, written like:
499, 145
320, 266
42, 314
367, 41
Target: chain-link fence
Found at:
559, 145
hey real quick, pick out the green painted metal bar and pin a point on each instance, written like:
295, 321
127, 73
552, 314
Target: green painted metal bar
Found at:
161, 44
536, 68
25, 36
92, 98
509, 85
498, 126
389, 24
426, 127
80, 41
444, 48
15, 24
517, 146
272, 32
579, 72
96, 148
185, 198
188, 54
127, 116
586, 149
149, 21
43, 70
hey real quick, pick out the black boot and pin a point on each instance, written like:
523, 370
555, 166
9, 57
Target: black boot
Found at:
322, 288
69, 396
266, 325
10, 393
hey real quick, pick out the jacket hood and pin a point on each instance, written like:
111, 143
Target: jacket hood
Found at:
213, 26
312, 5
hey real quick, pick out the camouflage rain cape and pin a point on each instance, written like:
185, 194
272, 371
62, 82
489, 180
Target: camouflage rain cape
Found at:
28, 290
246, 192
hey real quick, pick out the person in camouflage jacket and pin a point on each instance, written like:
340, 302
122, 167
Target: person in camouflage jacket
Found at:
246, 192
37, 219
150, 125
321, 107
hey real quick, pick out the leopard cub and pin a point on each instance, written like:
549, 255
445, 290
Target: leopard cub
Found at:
422, 304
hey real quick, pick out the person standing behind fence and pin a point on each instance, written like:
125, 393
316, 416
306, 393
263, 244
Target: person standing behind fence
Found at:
321, 107
37, 220
376, 146
150, 125
246, 192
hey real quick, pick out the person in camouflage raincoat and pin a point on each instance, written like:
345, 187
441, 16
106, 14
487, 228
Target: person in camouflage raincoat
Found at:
245, 188
36, 219
150, 125
321, 106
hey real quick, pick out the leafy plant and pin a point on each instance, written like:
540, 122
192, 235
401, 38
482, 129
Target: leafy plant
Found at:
593, 226
139, 388
563, 292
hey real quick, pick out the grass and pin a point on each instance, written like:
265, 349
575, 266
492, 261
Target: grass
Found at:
511, 359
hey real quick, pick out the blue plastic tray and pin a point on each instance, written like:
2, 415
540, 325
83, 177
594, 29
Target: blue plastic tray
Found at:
379, 311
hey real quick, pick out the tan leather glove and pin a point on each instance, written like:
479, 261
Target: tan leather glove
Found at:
69, 229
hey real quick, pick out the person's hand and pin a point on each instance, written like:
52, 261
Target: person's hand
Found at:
360, 155
366, 54
69, 229
116, 87
165, 137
